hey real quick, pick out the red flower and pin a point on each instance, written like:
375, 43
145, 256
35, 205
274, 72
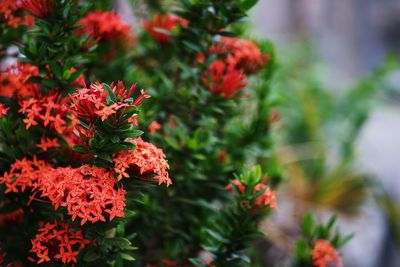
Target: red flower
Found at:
14, 81
89, 104
57, 241
87, 192
268, 197
50, 111
46, 143
154, 127
3, 110
239, 185
146, 160
242, 54
224, 79
161, 26
39, 8
10, 12
105, 26
324, 255
23, 173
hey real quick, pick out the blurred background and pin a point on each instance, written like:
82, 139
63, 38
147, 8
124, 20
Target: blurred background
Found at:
340, 129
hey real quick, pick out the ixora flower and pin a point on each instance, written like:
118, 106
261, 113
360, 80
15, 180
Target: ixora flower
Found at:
57, 242
223, 79
161, 26
88, 193
105, 102
242, 54
50, 111
154, 127
23, 174
3, 110
239, 185
105, 26
266, 199
46, 143
325, 255
10, 15
39, 8
14, 81
146, 161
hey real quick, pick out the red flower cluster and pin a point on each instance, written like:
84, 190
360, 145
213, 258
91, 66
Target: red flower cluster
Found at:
161, 26
50, 111
14, 81
146, 160
89, 104
23, 173
3, 110
57, 241
9, 13
39, 8
226, 75
46, 143
242, 54
224, 79
87, 192
105, 26
267, 198
324, 255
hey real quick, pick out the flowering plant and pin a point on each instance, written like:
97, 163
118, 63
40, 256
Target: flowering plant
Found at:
98, 173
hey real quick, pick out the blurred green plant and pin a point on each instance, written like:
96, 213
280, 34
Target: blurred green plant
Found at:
319, 130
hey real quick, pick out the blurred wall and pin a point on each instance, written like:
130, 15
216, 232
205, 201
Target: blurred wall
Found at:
352, 36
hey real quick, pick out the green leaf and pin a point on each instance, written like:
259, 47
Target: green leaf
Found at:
56, 69
217, 236
110, 92
79, 149
172, 142
247, 4
330, 224
135, 133
307, 227
115, 139
49, 83
344, 241
197, 262
91, 256
120, 242
66, 75
127, 257
106, 157
227, 34
129, 213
